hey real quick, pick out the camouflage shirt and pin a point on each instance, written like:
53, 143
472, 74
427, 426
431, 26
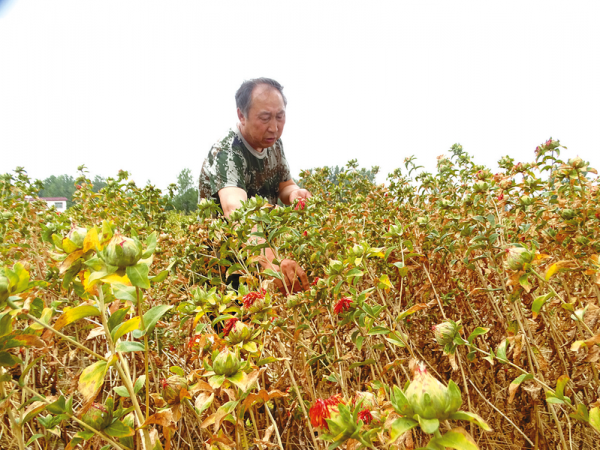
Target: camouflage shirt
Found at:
233, 162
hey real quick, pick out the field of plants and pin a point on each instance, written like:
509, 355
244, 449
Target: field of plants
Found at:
458, 310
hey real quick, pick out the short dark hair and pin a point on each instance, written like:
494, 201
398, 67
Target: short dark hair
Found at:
243, 96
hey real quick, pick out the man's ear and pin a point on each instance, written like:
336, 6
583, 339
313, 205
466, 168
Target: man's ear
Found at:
241, 116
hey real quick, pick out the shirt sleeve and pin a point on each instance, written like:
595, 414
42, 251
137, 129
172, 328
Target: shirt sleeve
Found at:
227, 170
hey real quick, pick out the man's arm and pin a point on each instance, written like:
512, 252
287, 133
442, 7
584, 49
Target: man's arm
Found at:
231, 198
290, 191
295, 278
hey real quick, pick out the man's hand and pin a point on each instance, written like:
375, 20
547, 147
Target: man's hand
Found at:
294, 277
290, 191
299, 193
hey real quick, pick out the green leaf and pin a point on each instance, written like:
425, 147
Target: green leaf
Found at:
124, 292
34, 409
581, 413
122, 391
471, 417
150, 245
595, 418
274, 274
362, 363
429, 426
240, 379
153, 315
129, 346
359, 342
6, 324
75, 314
216, 381
456, 440
27, 369
560, 386
384, 282
177, 371
537, 304
58, 407
20, 339
117, 317
127, 327
138, 275
267, 360
355, 272
514, 385
501, 352
454, 396
477, 332
160, 276
378, 330
250, 347
91, 379
118, 429
402, 270
8, 360
35, 437
400, 402
139, 383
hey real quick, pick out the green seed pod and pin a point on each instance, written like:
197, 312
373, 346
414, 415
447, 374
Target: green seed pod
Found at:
481, 186
172, 387
122, 251
526, 200
77, 236
226, 363
445, 332
97, 417
576, 163
240, 333
292, 301
518, 257
567, 214
582, 240
429, 398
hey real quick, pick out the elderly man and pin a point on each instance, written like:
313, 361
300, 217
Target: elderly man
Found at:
250, 161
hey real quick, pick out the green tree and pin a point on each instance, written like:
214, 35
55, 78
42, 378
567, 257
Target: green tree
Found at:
186, 199
59, 186
336, 174
99, 183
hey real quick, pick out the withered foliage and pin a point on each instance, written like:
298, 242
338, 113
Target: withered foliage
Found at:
491, 279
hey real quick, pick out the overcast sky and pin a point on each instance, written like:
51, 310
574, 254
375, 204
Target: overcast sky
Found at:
148, 86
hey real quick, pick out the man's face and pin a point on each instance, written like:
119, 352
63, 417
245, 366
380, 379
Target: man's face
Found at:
266, 117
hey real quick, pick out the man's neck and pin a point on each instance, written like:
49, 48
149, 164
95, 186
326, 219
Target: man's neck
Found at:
243, 133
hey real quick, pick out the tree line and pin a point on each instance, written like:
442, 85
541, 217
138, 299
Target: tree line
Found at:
185, 190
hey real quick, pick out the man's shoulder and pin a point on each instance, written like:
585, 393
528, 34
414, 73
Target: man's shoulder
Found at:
227, 142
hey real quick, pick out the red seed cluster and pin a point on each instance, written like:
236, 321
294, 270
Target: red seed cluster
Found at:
300, 205
251, 297
229, 326
366, 416
342, 305
321, 410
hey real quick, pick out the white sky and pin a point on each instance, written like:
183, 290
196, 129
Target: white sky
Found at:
148, 86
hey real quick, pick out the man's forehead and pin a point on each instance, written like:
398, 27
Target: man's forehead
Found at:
266, 98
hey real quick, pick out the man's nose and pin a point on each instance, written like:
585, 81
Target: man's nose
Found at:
273, 125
